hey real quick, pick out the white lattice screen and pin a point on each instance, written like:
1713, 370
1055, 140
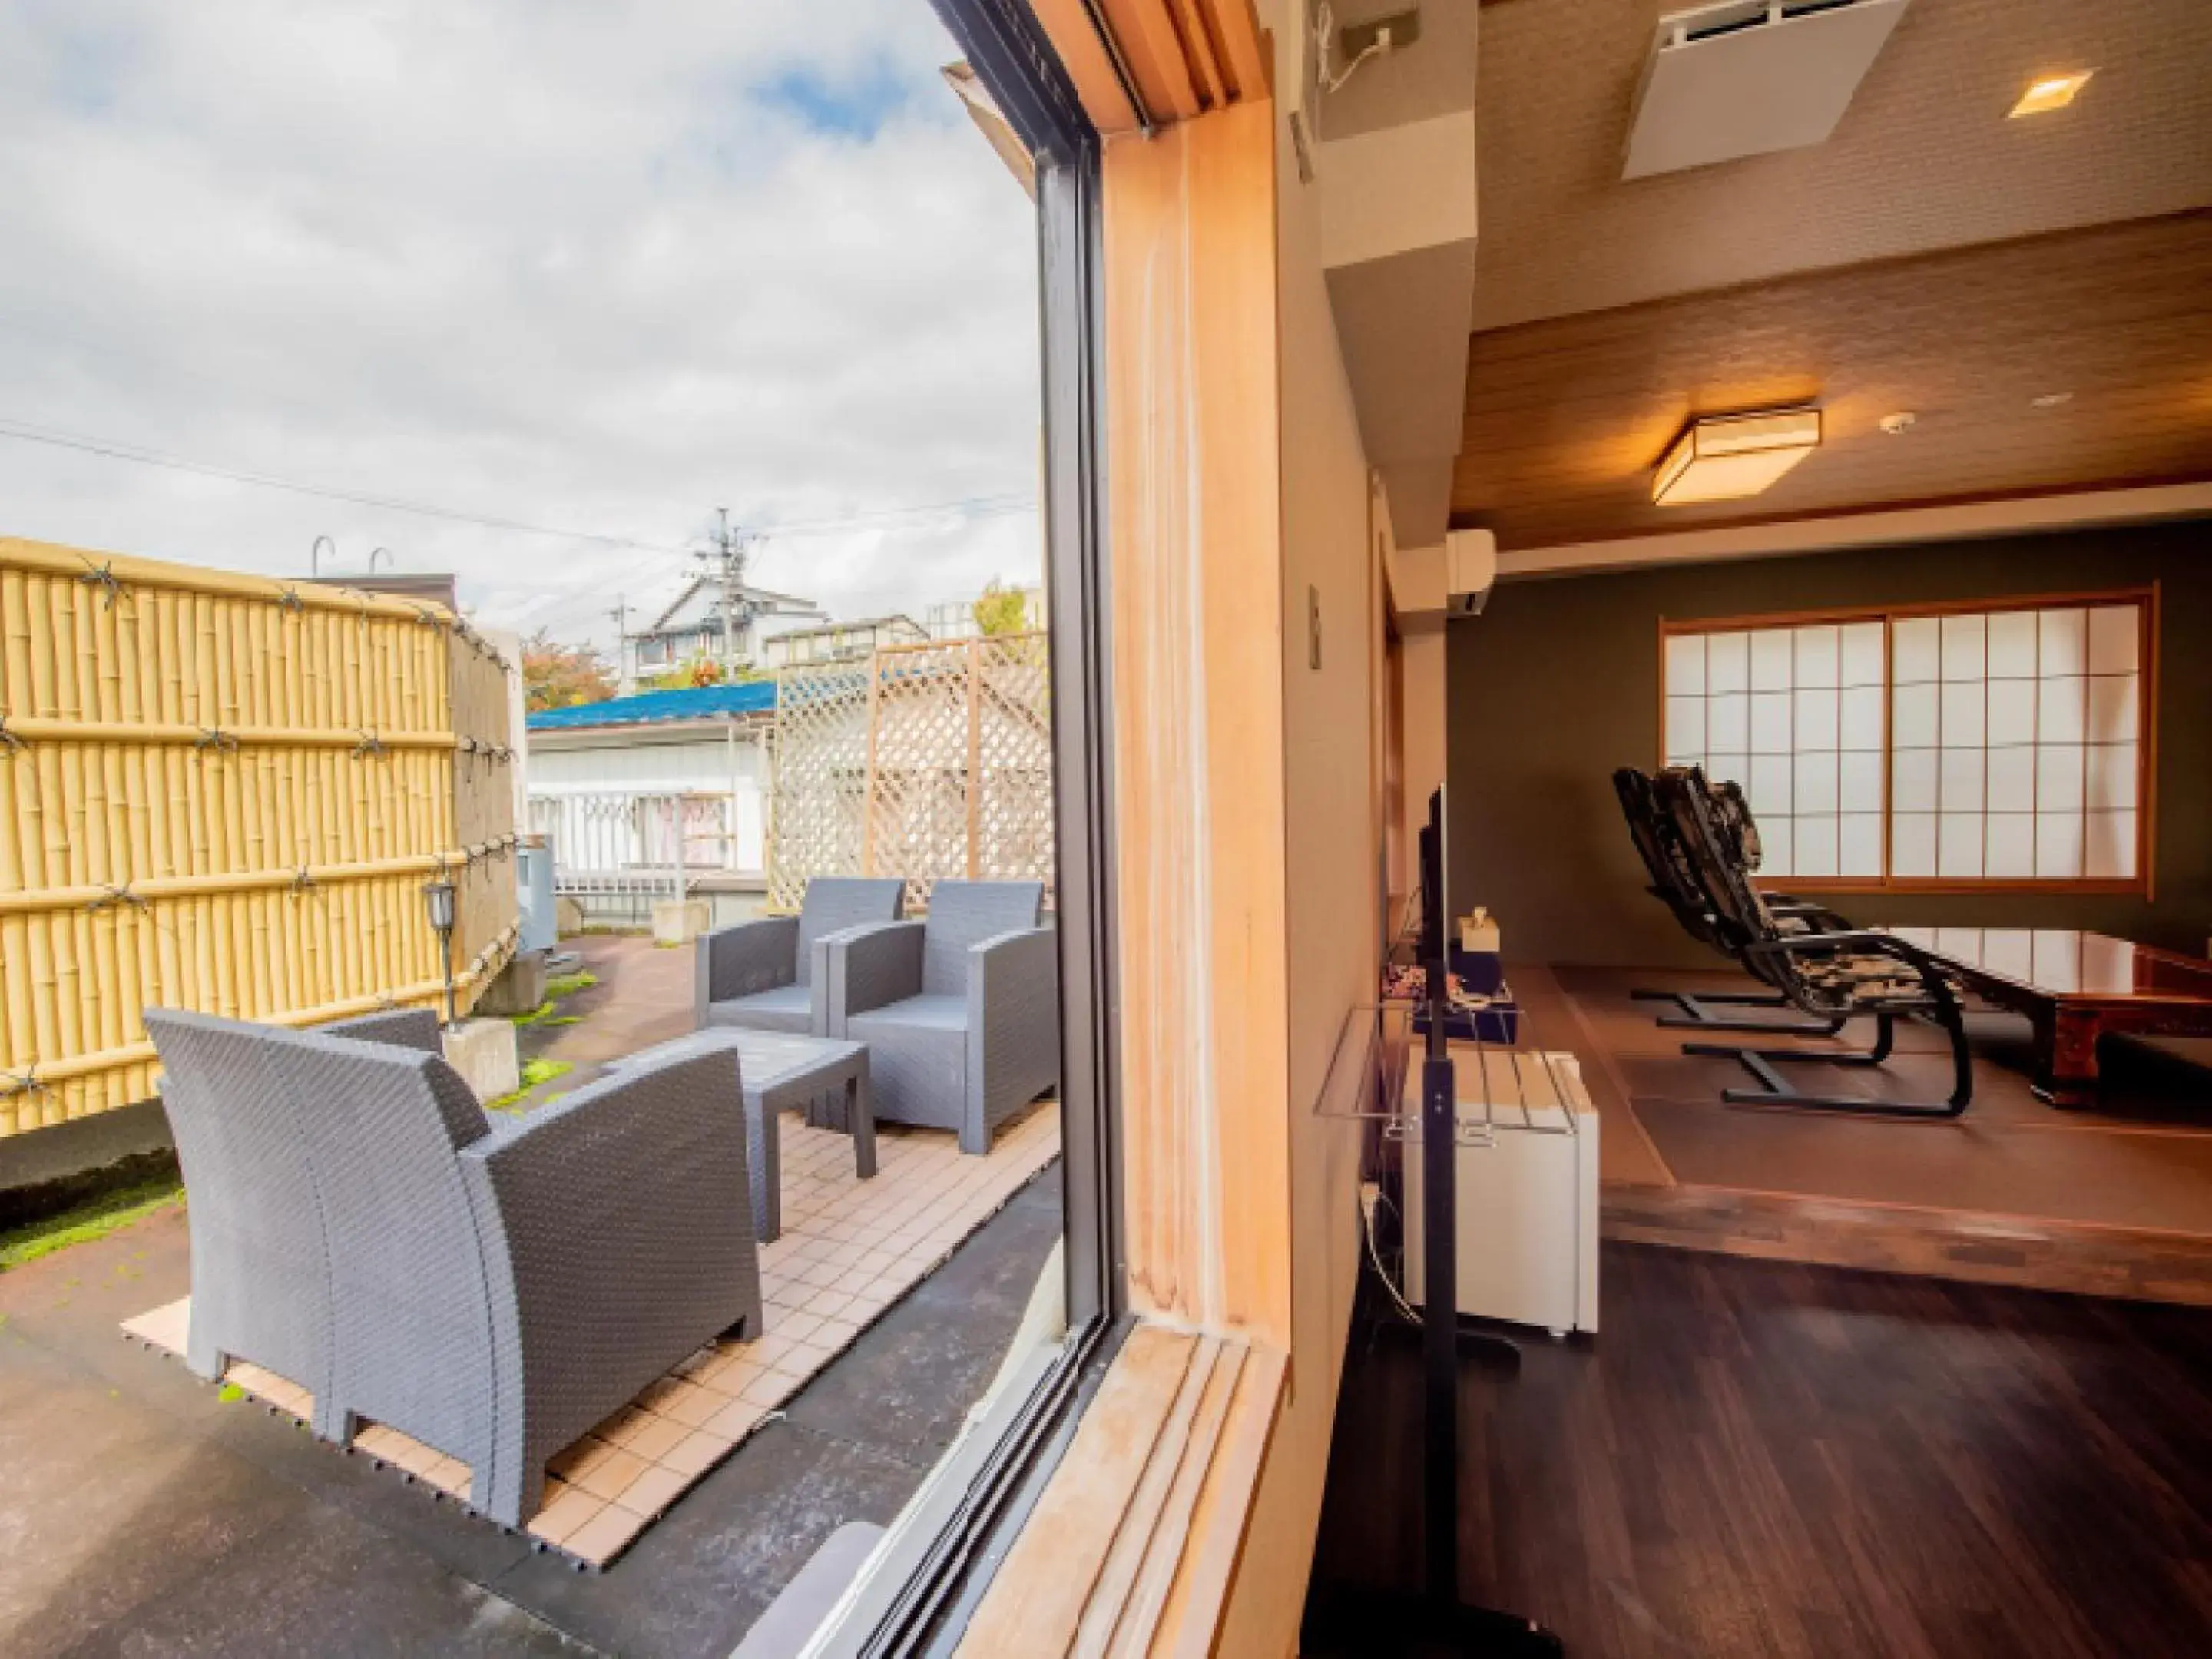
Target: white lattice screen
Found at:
925, 762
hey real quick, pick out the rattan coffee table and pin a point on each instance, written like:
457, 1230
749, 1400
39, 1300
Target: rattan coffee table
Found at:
778, 1070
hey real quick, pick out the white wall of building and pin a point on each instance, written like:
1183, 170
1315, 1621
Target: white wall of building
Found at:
727, 760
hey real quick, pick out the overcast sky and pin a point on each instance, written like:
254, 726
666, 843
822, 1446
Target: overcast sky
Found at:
596, 267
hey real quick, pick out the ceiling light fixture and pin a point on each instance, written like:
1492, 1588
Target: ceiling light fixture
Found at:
1724, 458
1897, 424
2049, 92
2051, 399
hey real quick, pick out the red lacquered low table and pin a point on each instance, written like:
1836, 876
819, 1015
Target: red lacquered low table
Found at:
2075, 987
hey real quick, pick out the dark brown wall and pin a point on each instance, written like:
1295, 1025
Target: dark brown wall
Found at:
1556, 685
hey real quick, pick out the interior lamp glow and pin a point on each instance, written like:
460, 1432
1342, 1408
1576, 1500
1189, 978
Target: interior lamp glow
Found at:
2050, 91
1724, 458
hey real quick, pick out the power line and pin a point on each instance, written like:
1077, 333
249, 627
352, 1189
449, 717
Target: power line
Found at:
972, 506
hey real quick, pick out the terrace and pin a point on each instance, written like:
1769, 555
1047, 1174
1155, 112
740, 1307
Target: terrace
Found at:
145, 1506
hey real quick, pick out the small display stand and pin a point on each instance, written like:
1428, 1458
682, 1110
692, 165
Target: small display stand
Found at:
1371, 1076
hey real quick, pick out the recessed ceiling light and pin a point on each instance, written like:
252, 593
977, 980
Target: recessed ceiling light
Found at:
2050, 91
2051, 399
1724, 458
1899, 423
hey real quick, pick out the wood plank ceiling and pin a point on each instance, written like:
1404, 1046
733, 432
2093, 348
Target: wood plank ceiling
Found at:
1567, 418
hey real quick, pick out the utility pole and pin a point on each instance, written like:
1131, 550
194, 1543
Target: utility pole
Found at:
620, 616
725, 561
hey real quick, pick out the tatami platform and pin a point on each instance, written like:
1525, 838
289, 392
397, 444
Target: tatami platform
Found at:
2116, 1200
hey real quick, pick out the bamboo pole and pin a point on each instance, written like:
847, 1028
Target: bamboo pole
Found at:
184, 734
132, 572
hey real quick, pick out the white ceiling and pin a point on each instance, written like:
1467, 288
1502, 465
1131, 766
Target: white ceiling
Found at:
1923, 159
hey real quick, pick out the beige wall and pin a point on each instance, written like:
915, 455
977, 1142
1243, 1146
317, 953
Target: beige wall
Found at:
1334, 914
1424, 658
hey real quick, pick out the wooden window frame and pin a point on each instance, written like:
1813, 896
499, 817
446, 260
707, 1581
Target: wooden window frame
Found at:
2142, 884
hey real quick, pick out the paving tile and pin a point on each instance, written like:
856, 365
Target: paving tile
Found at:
658, 1436
611, 1473
698, 1451
602, 1537
565, 1514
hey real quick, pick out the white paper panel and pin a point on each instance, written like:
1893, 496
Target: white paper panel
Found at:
2012, 711
1859, 780
1770, 723
1728, 722
1772, 656
1962, 715
2010, 844
1727, 662
1860, 846
2115, 703
2058, 785
1816, 719
2061, 713
1916, 650
2110, 853
1962, 780
1959, 845
1912, 781
1686, 726
1965, 653
1819, 660
2012, 645
1730, 768
1914, 718
1771, 777
1861, 718
2115, 639
1862, 654
2064, 642
1816, 783
2012, 779
1912, 844
1814, 853
2113, 774
2058, 846
1686, 664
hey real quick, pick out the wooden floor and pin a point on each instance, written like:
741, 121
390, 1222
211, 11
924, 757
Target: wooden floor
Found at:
1763, 1459
2116, 1200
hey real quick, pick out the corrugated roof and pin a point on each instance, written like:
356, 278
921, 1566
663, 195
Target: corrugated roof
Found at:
692, 703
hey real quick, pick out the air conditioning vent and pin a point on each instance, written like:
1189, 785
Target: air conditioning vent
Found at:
1748, 77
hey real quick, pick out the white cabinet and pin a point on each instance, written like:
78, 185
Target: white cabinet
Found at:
1527, 1190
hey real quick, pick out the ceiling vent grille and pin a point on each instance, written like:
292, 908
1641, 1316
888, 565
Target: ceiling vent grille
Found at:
1748, 77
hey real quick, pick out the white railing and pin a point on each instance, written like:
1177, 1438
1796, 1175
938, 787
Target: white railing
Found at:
617, 846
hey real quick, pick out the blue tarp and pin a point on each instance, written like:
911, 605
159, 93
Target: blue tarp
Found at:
692, 703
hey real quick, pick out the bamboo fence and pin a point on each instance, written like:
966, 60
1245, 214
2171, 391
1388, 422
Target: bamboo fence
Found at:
223, 793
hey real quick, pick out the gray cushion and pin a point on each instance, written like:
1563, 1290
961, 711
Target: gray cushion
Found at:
926, 1012
786, 1008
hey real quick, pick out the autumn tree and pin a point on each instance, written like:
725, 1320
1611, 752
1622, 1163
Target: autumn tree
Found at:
1001, 610
555, 676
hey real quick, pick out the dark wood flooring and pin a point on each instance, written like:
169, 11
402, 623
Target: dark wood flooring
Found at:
1765, 1458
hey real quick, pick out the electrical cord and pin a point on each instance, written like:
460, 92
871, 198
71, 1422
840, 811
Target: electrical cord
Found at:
1370, 1194
1325, 27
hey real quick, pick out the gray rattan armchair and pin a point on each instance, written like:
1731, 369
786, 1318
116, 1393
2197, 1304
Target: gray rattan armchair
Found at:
762, 976
493, 1292
960, 1012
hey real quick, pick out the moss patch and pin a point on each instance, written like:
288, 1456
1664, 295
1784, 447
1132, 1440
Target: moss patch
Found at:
534, 1073
88, 1222
567, 985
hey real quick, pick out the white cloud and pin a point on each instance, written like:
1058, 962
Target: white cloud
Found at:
587, 265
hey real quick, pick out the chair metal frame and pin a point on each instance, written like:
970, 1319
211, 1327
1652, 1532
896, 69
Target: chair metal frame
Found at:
1832, 973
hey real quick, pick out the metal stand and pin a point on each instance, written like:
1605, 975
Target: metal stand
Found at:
1775, 1090
1694, 1015
1435, 1624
